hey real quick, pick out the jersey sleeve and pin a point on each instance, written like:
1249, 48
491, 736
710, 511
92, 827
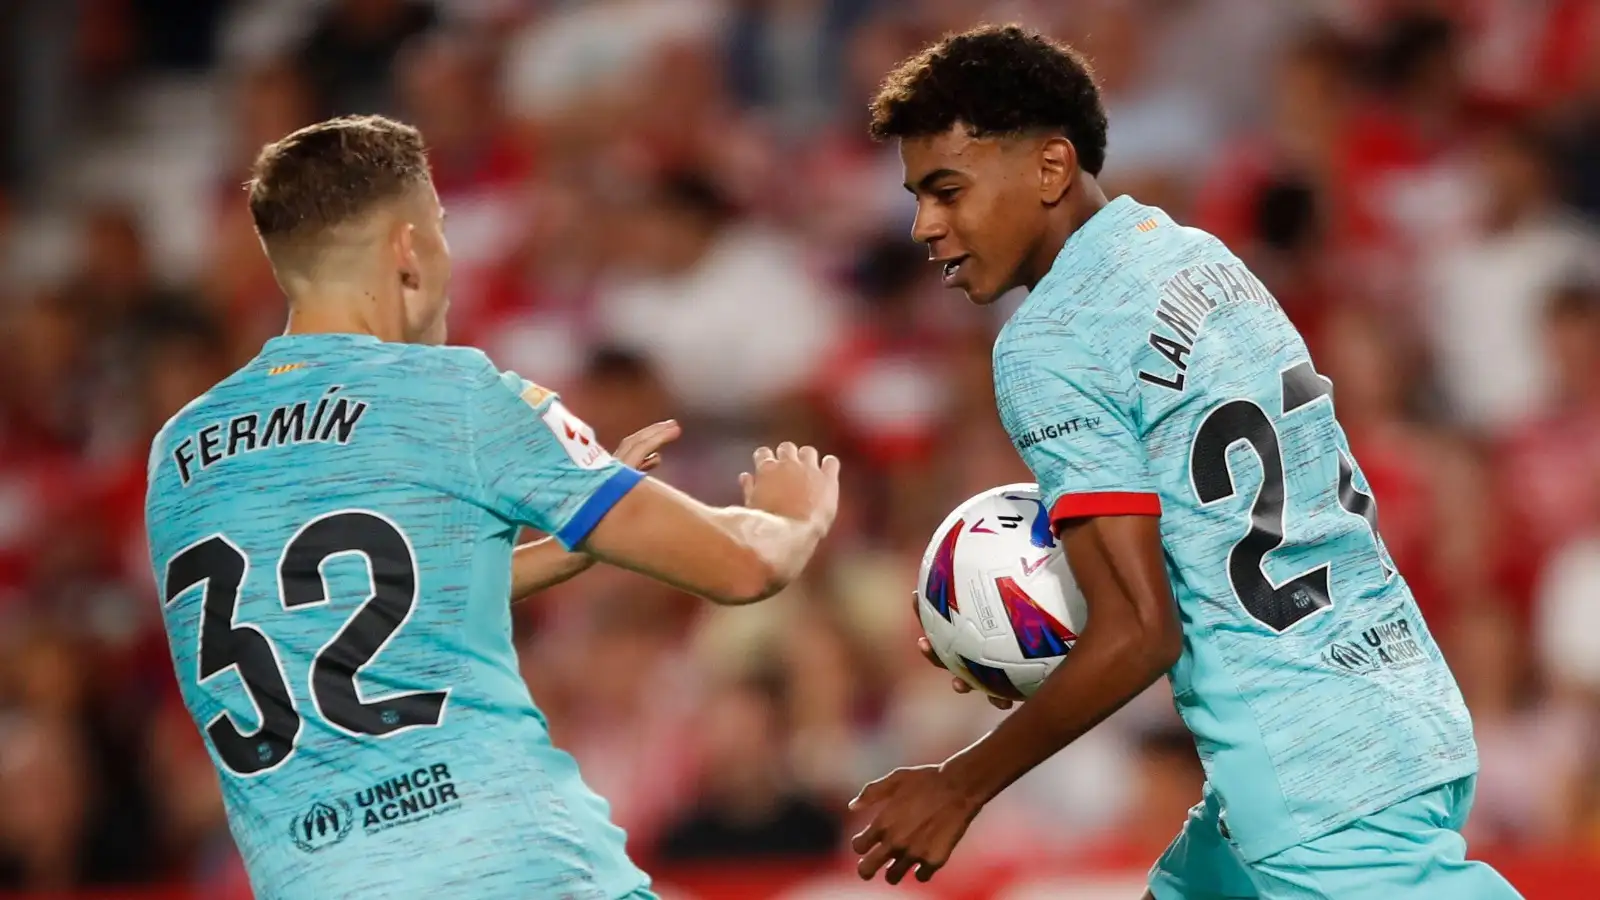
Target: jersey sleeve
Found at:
539, 464
1070, 418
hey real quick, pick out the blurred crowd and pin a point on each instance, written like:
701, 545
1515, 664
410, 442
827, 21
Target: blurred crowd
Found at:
670, 208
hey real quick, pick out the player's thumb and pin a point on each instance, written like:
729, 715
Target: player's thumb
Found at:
747, 483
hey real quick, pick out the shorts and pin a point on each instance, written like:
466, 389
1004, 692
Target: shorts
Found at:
1412, 850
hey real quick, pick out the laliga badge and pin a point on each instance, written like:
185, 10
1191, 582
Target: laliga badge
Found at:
575, 437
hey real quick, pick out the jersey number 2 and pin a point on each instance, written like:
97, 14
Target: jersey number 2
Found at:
1277, 606
222, 567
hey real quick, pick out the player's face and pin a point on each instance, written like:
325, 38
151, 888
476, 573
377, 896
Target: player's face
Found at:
978, 208
426, 296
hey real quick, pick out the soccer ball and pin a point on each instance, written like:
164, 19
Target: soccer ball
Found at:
995, 595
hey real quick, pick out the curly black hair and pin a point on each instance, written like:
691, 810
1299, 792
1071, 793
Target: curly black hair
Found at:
996, 80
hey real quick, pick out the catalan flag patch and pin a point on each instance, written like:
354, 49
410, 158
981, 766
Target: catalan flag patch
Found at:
279, 370
1148, 225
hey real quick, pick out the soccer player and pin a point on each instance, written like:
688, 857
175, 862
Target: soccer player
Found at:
1208, 505
331, 528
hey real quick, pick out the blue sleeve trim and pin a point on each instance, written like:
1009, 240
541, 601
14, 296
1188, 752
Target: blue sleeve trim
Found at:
595, 508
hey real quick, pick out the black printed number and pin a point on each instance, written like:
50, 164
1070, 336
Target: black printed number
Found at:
1278, 606
221, 566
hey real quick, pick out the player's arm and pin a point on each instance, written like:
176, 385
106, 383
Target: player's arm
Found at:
731, 555
544, 563
538, 464
1131, 639
1071, 418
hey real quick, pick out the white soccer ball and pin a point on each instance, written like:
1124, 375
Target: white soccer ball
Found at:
995, 595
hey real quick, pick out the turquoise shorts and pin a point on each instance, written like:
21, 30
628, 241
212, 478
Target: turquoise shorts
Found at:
1412, 850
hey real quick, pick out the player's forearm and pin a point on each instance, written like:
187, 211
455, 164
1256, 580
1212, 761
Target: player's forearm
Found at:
544, 563
730, 556
777, 548
1105, 670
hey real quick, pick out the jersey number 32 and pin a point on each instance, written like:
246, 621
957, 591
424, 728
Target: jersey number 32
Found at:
222, 567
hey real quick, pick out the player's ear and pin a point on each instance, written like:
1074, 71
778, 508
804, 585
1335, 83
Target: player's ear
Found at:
405, 247
1058, 168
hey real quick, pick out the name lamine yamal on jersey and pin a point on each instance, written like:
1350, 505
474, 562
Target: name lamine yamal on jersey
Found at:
1185, 303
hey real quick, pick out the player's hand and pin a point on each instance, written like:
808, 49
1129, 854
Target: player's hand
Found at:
920, 815
961, 687
794, 483
641, 450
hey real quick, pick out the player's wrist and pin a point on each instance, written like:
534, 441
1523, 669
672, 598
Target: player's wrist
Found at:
972, 780
816, 527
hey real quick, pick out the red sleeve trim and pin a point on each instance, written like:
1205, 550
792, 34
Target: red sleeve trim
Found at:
1106, 503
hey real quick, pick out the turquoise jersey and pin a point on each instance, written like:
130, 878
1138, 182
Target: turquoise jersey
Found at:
331, 528
1151, 373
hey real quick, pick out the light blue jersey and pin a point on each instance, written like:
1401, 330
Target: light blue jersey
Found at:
331, 528
1151, 373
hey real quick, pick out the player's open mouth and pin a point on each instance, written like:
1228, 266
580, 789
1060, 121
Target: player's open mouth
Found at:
951, 268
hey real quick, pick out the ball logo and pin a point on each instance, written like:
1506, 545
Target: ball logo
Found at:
942, 574
1039, 634
1042, 532
322, 826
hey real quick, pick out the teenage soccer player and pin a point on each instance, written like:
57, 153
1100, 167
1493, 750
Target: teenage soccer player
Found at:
332, 528
1209, 507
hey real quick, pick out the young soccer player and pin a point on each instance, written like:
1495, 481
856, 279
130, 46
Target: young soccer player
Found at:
1209, 507
332, 529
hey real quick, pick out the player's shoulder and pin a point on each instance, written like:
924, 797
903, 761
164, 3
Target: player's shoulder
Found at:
179, 423
1068, 322
466, 367
457, 375
462, 366
1124, 252
1097, 300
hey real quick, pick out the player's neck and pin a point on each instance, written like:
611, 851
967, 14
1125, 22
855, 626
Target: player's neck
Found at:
332, 314
1079, 207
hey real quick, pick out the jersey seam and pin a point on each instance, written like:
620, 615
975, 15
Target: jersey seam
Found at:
472, 447
1138, 287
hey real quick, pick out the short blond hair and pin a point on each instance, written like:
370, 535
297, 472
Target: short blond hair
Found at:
333, 172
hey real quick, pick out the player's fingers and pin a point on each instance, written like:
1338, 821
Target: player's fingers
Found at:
808, 455
746, 484
787, 450
867, 838
928, 654
926, 871
873, 860
960, 687
660, 434
899, 869
1000, 703
762, 455
636, 447
830, 466
649, 462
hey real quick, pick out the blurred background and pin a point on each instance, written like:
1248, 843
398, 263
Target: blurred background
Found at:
669, 208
